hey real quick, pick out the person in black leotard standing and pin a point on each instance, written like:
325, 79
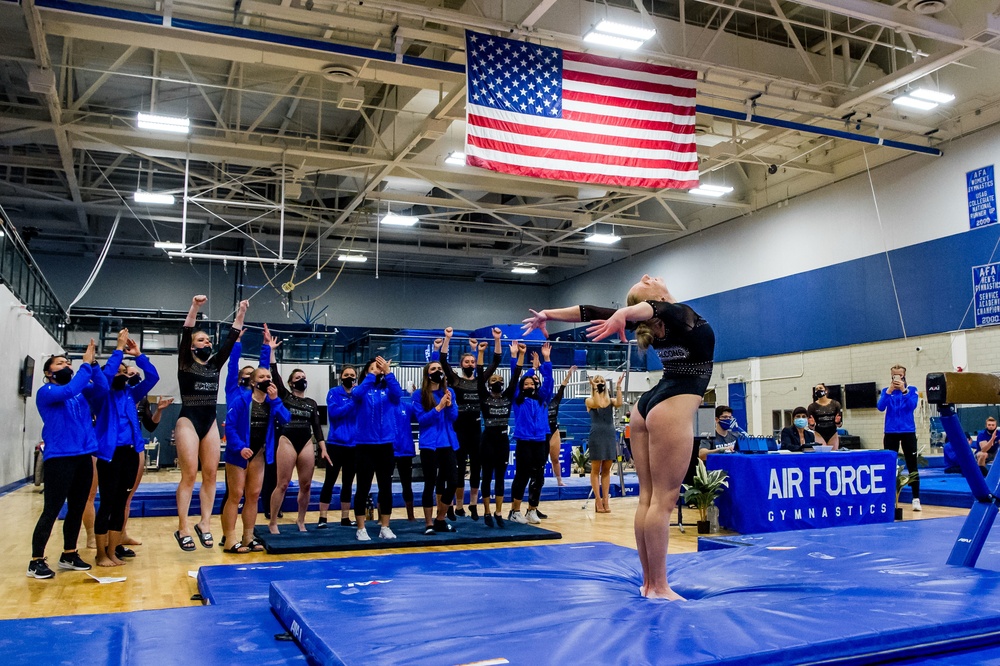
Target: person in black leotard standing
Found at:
495, 402
295, 449
196, 434
467, 426
663, 418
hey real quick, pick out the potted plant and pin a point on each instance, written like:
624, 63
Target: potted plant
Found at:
903, 478
581, 459
705, 486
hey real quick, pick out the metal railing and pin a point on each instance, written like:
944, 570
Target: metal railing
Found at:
21, 275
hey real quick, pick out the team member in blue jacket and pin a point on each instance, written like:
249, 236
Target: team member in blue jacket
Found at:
531, 432
250, 430
435, 408
65, 404
237, 378
404, 449
899, 401
377, 399
119, 441
338, 450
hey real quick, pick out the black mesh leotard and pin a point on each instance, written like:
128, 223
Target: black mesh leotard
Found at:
199, 383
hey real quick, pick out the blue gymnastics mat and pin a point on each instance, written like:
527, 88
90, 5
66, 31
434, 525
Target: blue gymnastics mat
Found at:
940, 489
183, 636
747, 606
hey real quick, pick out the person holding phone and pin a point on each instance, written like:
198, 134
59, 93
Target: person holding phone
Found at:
899, 401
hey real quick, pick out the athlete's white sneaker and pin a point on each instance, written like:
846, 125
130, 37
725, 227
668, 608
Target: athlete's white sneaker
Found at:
532, 517
386, 533
916, 505
362, 535
517, 517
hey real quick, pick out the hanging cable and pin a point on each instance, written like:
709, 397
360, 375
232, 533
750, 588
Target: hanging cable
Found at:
100, 263
885, 244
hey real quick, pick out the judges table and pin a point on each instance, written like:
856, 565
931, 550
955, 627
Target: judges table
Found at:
775, 492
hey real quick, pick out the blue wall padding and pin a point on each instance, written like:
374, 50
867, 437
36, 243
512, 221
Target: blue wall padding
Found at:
852, 302
747, 606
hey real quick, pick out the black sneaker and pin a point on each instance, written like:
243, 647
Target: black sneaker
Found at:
460, 512
488, 519
442, 526
451, 514
474, 511
73, 562
321, 523
497, 517
429, 530
540, 514
122, 552
39, 569
347, 522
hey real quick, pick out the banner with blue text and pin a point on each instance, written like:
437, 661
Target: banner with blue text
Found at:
981, 187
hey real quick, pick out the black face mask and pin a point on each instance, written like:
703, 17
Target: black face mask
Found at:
528, 392
62, 376
134, 380
496, 387
264, 385
348, 382
300, 384
468, 372
818, 394
437, 376
202, 353
245, 381
119, 382
601, 388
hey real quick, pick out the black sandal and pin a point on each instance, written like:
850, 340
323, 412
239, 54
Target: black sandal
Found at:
186, 543
207, 541
237, 549
256, 545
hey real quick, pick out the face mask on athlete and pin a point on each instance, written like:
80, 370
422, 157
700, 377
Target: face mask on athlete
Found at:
245, 381
119, 382
818, 393
264, 385
62, 376
801, 422
348, 382
437, 376
496, 387
134, 380
468, 372
727, 424
529, 391
601, 388
300, 384
202, 353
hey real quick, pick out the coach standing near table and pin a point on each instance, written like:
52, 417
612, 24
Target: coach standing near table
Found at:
899, 401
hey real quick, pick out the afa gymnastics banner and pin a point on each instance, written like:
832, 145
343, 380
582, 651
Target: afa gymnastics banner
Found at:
773, 492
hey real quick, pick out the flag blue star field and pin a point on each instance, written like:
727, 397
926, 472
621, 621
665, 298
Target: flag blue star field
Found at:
548, 113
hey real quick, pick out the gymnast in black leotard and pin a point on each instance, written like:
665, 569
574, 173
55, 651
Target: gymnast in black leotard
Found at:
663, 419
196, 434
295, 449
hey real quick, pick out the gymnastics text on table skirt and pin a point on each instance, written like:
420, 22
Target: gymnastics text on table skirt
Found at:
565, 460
775, 492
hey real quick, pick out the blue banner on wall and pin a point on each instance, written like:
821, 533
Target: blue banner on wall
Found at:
773, 492
986, 292
982, 197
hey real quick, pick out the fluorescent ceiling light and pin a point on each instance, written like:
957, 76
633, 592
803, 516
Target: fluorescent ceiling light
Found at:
163, 123
153, 198
724, 189
525, 270
167, 245
602, 239
151, 331
456, 158
931, 95
353, 258
604, 39
913, 103
622, 30
701, 191
399, 220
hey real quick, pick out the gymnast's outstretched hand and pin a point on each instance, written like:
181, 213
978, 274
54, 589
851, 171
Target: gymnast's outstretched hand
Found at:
535, 322
600, 329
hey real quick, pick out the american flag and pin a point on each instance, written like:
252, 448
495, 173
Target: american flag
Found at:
548, 113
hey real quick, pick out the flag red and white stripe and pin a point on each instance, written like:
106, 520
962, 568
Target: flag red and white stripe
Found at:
604, 121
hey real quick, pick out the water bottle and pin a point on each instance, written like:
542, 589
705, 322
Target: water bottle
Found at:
370, 508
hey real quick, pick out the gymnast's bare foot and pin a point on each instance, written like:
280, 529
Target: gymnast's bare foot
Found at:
665, 594
273, 528
129, 541
302, 526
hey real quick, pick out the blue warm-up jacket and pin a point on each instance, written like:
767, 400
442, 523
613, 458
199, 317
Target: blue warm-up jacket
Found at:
238, 427
376, 404
233, 387
66, 411
342, 414
117, 421
898, 409
404, 446
531, 415
437, 429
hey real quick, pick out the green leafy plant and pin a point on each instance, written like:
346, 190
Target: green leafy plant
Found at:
904, 478
581, 460
705, 486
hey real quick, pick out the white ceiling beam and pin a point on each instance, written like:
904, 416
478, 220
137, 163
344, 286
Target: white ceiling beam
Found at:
891, 17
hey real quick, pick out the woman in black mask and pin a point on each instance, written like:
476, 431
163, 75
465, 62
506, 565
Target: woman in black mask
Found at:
826, 416
338, 452
602, 442
495, 402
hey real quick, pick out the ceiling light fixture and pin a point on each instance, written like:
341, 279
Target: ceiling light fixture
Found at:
167, 245
711, 190
163, 123
394, 220
914, 103
153, 198
353, 258
524, 270
935, 96
618, 35
456, 158
603, 239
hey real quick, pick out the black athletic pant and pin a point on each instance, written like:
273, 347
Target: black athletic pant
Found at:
374, 461
405, 466
529, 470
114, 480
269, 484
342, 458
67, 479
893, 441
494, 452
467, 457
438, 466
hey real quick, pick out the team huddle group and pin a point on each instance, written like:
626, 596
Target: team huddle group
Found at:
463, 420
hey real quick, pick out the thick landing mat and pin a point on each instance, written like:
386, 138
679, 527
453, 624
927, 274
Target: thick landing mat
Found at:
940, 489
408, 535
182, 636
747, 606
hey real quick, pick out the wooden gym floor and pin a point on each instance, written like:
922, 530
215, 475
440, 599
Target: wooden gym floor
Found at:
162, 576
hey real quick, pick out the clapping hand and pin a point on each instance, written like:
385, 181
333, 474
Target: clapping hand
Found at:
88, 356
132, 348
